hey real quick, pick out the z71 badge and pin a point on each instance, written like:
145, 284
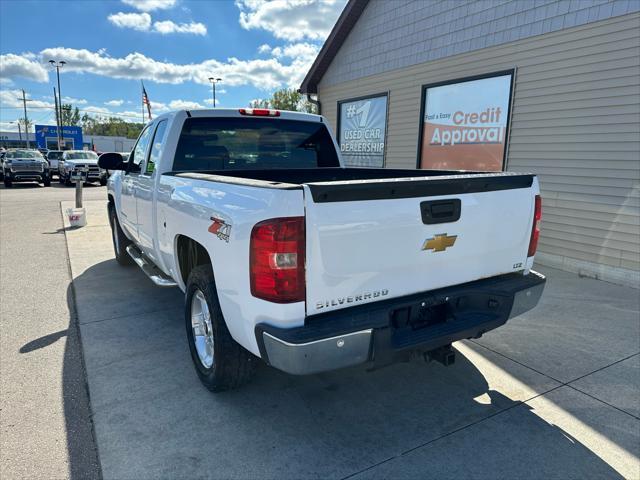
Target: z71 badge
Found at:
220, 229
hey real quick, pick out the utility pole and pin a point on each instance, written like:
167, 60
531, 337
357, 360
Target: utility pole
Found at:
26, 120
58, 66
58, 119
213, 83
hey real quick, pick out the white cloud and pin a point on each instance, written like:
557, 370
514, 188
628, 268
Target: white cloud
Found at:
74, 101
13, 99
291, 19
136, 21
24, 66
114, 103
142, 23
184, 104
265, 74
167, 26
296, 50
264, 48
150, 5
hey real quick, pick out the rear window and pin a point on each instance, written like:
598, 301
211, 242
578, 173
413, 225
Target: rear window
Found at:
54, 155
253, 143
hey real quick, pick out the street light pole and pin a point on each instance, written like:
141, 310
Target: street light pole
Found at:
26, 119
213, 83
58, 66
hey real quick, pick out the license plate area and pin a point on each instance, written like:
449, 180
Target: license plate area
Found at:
421, 315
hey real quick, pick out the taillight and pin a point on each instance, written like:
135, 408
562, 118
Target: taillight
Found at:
276, 260
535, 230
259, 112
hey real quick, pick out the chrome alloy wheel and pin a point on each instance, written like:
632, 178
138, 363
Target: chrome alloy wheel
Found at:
201, 327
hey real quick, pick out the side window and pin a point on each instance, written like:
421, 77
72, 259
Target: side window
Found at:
156, 147
137, 154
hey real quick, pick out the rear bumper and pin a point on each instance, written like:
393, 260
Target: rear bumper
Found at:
385, 331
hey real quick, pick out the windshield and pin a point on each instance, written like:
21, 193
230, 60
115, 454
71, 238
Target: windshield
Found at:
24, 154
54, 155
82, 156
253, 143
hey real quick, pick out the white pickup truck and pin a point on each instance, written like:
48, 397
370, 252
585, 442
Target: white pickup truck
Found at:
286, 255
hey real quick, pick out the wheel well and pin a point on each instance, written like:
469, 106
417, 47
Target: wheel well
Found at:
190, 254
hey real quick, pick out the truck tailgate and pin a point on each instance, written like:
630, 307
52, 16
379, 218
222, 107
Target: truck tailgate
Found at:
375, 239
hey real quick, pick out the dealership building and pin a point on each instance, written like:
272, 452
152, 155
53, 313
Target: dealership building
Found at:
550, 87
46, 136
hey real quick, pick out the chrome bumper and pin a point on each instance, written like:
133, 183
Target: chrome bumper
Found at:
365, 333
319, 355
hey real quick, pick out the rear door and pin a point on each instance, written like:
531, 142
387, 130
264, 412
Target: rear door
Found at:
377, 239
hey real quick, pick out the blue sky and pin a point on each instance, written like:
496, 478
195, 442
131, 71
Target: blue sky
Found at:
174, 46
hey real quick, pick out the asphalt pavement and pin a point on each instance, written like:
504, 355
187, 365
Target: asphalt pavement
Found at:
45, 423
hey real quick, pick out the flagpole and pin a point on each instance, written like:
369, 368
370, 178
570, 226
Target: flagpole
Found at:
142, 96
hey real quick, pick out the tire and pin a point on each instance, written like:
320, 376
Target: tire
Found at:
47, 181
119, 239
230, 365
67, 181
7, 182
103, 181
60, 178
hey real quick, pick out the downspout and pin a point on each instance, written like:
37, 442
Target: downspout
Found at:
315, 102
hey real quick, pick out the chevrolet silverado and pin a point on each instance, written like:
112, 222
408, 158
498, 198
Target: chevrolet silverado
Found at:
285, 254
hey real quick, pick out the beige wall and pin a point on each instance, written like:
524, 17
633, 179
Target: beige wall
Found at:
575, 123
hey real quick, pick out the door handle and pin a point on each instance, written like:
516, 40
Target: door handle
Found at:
440, 211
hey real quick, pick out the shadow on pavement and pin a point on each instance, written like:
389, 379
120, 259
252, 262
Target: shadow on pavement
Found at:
43, 341
153, 419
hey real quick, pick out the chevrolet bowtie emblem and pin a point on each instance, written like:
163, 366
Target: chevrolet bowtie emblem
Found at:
439, 243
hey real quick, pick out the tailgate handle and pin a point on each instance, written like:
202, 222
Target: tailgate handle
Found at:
440, 211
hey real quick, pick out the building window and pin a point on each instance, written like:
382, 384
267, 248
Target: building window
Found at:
362, 130
464, 123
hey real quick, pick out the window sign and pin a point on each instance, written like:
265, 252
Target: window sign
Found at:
362, 130
464, 126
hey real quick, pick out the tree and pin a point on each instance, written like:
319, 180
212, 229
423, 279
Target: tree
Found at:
70, 117
285, 99
111, 126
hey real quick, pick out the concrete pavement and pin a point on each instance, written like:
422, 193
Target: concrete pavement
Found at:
555, 393
45, 423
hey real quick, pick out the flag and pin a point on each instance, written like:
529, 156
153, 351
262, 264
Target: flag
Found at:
145, 100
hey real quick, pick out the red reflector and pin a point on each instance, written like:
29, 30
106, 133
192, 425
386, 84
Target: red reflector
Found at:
276, 260
535, 229
259, 112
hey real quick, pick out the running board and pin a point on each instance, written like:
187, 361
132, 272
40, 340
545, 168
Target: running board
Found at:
156, 275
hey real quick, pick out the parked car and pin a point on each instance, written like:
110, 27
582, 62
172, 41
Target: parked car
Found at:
2, 154
43, 151
25, 166
53, 157
74, 161
287, 255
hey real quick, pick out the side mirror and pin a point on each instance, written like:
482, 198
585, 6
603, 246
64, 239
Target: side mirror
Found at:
111, 161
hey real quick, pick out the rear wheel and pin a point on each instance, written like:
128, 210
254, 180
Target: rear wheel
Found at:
7, 182
67, 180
120, 240
103, 181
46, 181
220, 362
